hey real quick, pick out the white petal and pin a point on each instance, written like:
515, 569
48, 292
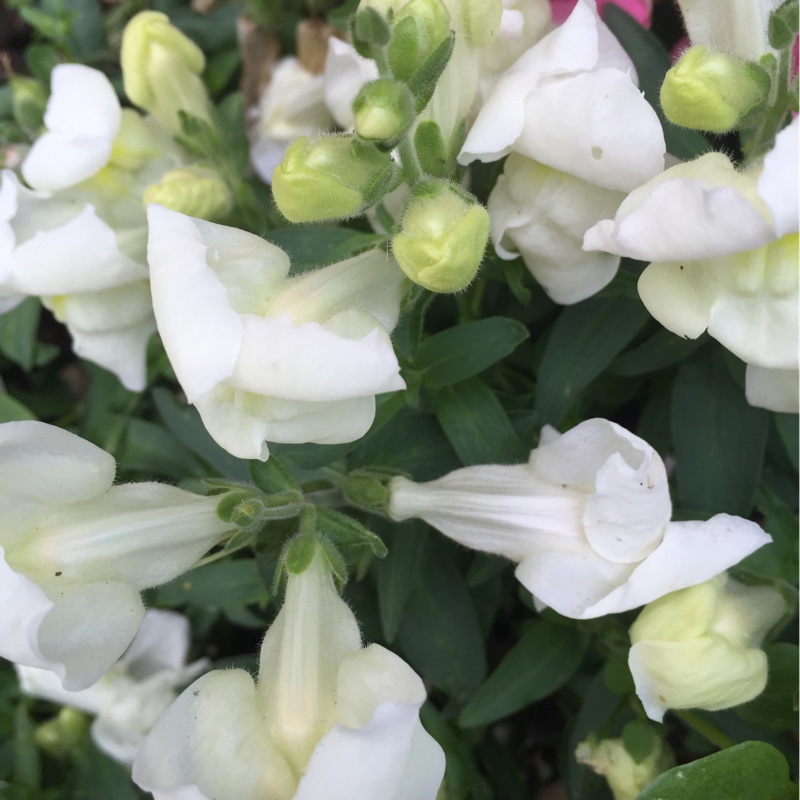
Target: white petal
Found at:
715, 210
308, 362
596, 126
690, 553
198, 272
47, 685
80, 256
773, 389
213, 740
25, 605
82, 119
88, 629
777, 184
43, 467
565, 574
542, 215
368, 763
162, 643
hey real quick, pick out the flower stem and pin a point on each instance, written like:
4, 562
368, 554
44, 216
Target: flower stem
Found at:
705, 729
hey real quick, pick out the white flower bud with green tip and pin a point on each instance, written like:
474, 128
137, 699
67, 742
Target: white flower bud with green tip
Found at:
265, 356
587, 520
136, 690
77, 550
711, 91
327, 719
330, 177
699, 647
161, 70
442, 236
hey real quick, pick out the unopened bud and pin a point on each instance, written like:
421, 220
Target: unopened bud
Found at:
65, 735
194, 191
161, 70
331, 177
384, 110
442, 238
711, 91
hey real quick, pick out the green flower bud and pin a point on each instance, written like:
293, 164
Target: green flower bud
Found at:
331, 177
384, 110
711, 91
442, 237
161, 70
64, 736
194, 191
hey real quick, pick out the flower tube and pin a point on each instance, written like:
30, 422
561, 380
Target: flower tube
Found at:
587, 520
76, 550
327, 719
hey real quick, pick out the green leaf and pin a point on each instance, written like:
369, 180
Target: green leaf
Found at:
395, 575
787, 425
101, 778
783, 25
440, 633
465, 350
311, 246
660, 350
543, 659
744, 772
776, 707
346, 532
27, 764
272, 476
185, 423
18, 333
431, 149
477, 425
87, 35
719, 439
640, 739
12, 410
652, 61
151, 449
220, 70
585, 339
222, 584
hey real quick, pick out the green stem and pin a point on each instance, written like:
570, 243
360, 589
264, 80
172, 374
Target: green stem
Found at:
705, 729
222, 554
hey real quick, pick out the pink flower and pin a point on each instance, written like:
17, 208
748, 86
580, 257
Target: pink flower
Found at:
640, 10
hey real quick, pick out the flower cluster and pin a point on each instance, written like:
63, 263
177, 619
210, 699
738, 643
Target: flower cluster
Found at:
462, 168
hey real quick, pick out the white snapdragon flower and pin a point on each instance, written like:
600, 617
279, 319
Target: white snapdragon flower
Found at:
78, 240
76, 550
724, 247
587, 520
267, 357
292, 105
699, 647
580, 134
135, 691
327, 719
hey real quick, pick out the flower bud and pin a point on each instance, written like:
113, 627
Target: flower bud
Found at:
698, 647
195, 191
330, 177
711, 91
384, 110
65, 735
626, 777
161, 70
442, 238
